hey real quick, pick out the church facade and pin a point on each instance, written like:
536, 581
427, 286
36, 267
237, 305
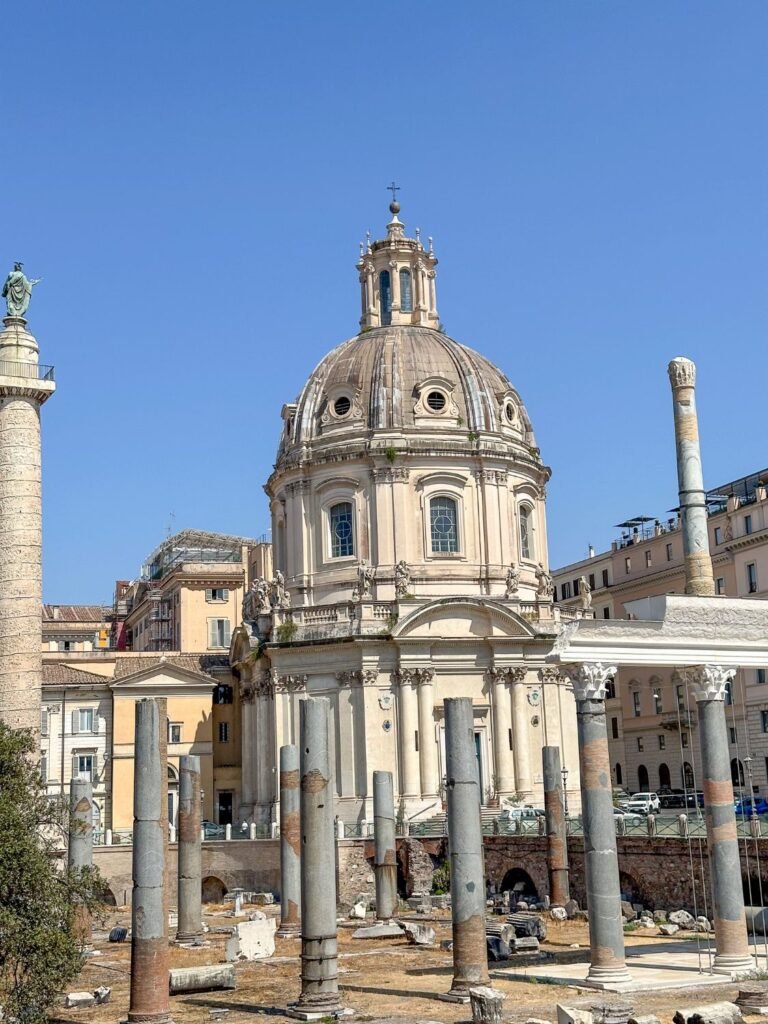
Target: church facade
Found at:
410, 563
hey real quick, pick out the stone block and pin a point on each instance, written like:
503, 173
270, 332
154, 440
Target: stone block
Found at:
505, 932
486, 1004
644, 1018
702, 924
251, 940
628, 912
262, 899
571, 909
103, 994
496, 948
75, 1000
205, 978
668, 929
418, 934
358, 911
660, 916
646, 922
525, 944
529, 924
682, 919
378, 931
709, 1013
558, 914
570, 1015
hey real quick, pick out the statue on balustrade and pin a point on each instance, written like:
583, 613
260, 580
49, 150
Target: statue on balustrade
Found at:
17, 290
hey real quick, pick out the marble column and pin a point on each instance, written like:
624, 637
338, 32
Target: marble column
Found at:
699, 578
290, 842
80, 845
408, 724
601, 865
427, 744
504, 764
264, 688
247, 723
521, 711
732, 955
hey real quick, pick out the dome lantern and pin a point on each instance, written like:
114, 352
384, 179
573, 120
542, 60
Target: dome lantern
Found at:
397, 278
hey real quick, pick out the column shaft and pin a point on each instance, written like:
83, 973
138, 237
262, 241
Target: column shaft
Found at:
149, 999
427, 745
521, 710
319, 944
189, 896
465, 838
290, 841
557, 841
80, 847
409, 721
385, 863
504, 767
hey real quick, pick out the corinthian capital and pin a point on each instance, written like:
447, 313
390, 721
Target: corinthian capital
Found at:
682, 373
708, 682
589, 680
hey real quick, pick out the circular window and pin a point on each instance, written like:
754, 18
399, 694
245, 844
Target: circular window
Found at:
343, 529
342, 406
509, 412
436, 401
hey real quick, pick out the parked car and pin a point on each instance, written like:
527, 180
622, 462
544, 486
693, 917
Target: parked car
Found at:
628, 817
212, 831
752, 805
672, 798
620, 796
644, 803
513, 813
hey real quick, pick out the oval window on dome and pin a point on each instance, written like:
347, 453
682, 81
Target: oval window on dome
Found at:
436, 401
509, 412
342, 406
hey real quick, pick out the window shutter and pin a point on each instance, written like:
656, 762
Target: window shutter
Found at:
75, 722
209, 594
225, 594
93, 768
96, 723
44, 721
227, 628
211, 632
74, 767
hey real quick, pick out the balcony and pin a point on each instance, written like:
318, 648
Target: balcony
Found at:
30, 371
678, 720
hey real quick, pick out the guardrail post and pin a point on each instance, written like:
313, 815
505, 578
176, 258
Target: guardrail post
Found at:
650, 824
682, 822
108, 837
754, 827
227, 832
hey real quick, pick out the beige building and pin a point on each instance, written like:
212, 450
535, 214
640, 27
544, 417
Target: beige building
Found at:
651, 722
76, 627
410, 551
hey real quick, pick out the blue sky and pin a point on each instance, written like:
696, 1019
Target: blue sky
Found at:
191, 181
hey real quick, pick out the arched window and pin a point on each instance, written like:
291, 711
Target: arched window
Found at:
642, 778
665, 781
443, 525
610, 689
385, 294
619, 781
526, 532
687, 775
406, 291
342, 534
737, 772
728, 698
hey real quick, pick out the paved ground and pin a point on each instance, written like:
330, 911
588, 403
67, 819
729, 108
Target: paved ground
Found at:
390, 979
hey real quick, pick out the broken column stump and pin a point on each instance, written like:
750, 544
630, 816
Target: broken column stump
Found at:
486, 1004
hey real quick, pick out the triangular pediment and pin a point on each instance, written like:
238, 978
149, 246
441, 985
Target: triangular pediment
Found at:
462, 618
163, 676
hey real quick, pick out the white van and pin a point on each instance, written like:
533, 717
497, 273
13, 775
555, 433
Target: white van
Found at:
644, 803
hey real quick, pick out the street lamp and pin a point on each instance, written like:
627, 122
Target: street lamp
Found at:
564, 773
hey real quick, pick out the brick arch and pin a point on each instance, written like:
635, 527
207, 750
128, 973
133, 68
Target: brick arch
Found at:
213, 889
514, 877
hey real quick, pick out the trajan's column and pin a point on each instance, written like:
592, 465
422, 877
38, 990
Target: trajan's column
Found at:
24, 386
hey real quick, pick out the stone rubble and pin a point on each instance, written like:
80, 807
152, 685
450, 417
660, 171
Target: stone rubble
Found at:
76, 1000
681, 918
709, 1013
486, 1004
252, 940
418, 934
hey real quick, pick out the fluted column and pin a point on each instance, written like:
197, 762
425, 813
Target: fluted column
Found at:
265, 743
247, 748
427, 745
521, 710
504, 765
408, 724
607, 964
708, 684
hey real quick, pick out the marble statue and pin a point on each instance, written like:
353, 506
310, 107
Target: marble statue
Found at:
17, 290
402, 578
365, 574
513, 580
281, 599
546, 587
585, 593
256, 601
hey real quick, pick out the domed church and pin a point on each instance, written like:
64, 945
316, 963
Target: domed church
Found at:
408, 504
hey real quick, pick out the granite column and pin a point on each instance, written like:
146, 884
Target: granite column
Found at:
290, 842
557, 837
189, 897
385, 862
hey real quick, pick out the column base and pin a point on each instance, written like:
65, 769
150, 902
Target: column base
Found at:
607, 977
299, 1012
288, 931
460, 995
736, 966
148, 1018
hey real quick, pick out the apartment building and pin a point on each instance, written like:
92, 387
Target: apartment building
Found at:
651, 719
76, 627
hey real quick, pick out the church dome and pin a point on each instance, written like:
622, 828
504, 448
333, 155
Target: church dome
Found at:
407, 379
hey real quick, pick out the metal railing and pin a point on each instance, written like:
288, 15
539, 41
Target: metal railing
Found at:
30, 371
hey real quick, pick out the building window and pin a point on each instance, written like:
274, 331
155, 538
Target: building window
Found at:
44, 720
615, 728
610, 689
680, 694
662, 742
747, 524
406, 291
759, 675
218, 632
718, 535
605, 577
657, 702
669, 552
618, 774
732, 734
636, 703
648, 560
640, 743
342, 534
720, 585
592, 581
84, 720
443, 525
566, 591
44, 768
728, 696
65, 645
222, 694
526, 532
217, 594
223, 732
751, 578
764, 721
174, 732
606, 613
83, 766
627, 565
385, 293
684, 739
